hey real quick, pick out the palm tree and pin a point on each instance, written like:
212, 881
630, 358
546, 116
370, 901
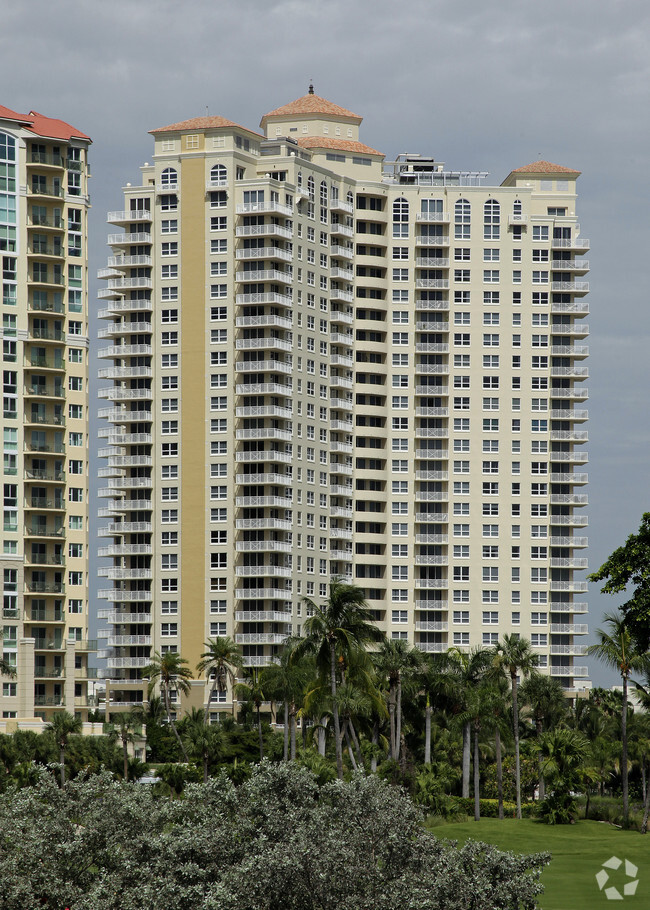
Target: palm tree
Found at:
468, 668
619, 651
341, 627
62, 726
545, 697
220, 661
171, 673
202, 738
254, 689
514, 655
563, 753
286, 680
396, 659
435, 684
124, 726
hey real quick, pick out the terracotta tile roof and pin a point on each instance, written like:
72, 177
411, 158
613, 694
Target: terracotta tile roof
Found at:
311, 104
7, 114
54, 129
345, 145
44, 126
201, 123
544, 167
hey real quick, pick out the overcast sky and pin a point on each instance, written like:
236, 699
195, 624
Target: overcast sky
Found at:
479, 85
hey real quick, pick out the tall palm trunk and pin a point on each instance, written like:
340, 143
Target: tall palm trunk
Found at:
646, 811
398, 719
477, 794
427, 733
285, 754
515, 725
624, 760
348, 742
125, 758
168, 709
497, 745
205, 766
292, 731
335, 713
356, 744
540, 762
375, 744
466, 754
259, 732
392, 698
322, 733
62, 763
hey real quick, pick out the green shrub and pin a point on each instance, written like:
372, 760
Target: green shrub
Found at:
489, 808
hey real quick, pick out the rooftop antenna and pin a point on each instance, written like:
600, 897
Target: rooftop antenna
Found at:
311, 86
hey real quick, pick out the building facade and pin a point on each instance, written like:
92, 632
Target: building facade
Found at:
43, 215
325, 364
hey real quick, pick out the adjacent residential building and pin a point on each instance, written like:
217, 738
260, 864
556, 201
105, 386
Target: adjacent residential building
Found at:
321, 363
43, 213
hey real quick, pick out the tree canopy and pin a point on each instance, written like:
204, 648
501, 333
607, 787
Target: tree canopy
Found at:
276, 841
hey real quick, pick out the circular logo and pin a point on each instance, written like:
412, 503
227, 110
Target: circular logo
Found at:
629, 888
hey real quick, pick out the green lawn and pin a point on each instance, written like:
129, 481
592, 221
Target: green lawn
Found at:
578, 854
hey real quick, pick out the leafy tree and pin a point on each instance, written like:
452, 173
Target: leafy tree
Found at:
514, 655
124, 725
467, 668
62, 726
254, 690
333, 632
203, 740
396, 660
545, 698
618, 650
629, 565
286, 679
563, 753
221, 660
6, 669
171, 673
276, 840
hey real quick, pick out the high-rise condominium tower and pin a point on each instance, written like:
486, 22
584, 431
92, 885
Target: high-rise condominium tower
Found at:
324, 364
43, 210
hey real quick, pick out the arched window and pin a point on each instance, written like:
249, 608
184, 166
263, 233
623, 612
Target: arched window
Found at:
218, 175
462, 212
400, 217
323, 193
350, 198
310, 188
169, 178
491, 220
516, 208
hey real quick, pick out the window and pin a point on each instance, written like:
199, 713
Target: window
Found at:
490, 341
462, 213
489, 639
491, 220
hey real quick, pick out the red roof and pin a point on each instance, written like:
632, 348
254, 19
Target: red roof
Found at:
544, 167
345, 145
7, 114
44, 126
202, 123
311, 104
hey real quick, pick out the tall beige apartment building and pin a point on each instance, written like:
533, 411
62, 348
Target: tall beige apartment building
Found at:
320, 363
43, 214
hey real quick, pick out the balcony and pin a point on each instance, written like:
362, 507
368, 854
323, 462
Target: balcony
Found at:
125, 373
121, 619
280, 524
128, 216
343, 316
123, 239
265, 275
432, 538
263, 571
125, 350
345, 251
264, 388
258, 501
263, 230
569, 478
440, 283
569, 435
568, 541
569, 671
127, 663
257, 660
570, 243
266, 252
265, 433
569, 563
122, 305
121, 641
247, 208
430, 326
131, 549
569, 414
282, 479
437, 348
575, 650
118, 573
577, 586
261, 638
576, 306
570, 350
261, 344
432, 626
261, 615
263, 546
341, 230
433, 217
125, 328
270, 297
266, 455
564, 607
431, 560
435, 647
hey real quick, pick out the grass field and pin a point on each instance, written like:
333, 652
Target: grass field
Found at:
578, 854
